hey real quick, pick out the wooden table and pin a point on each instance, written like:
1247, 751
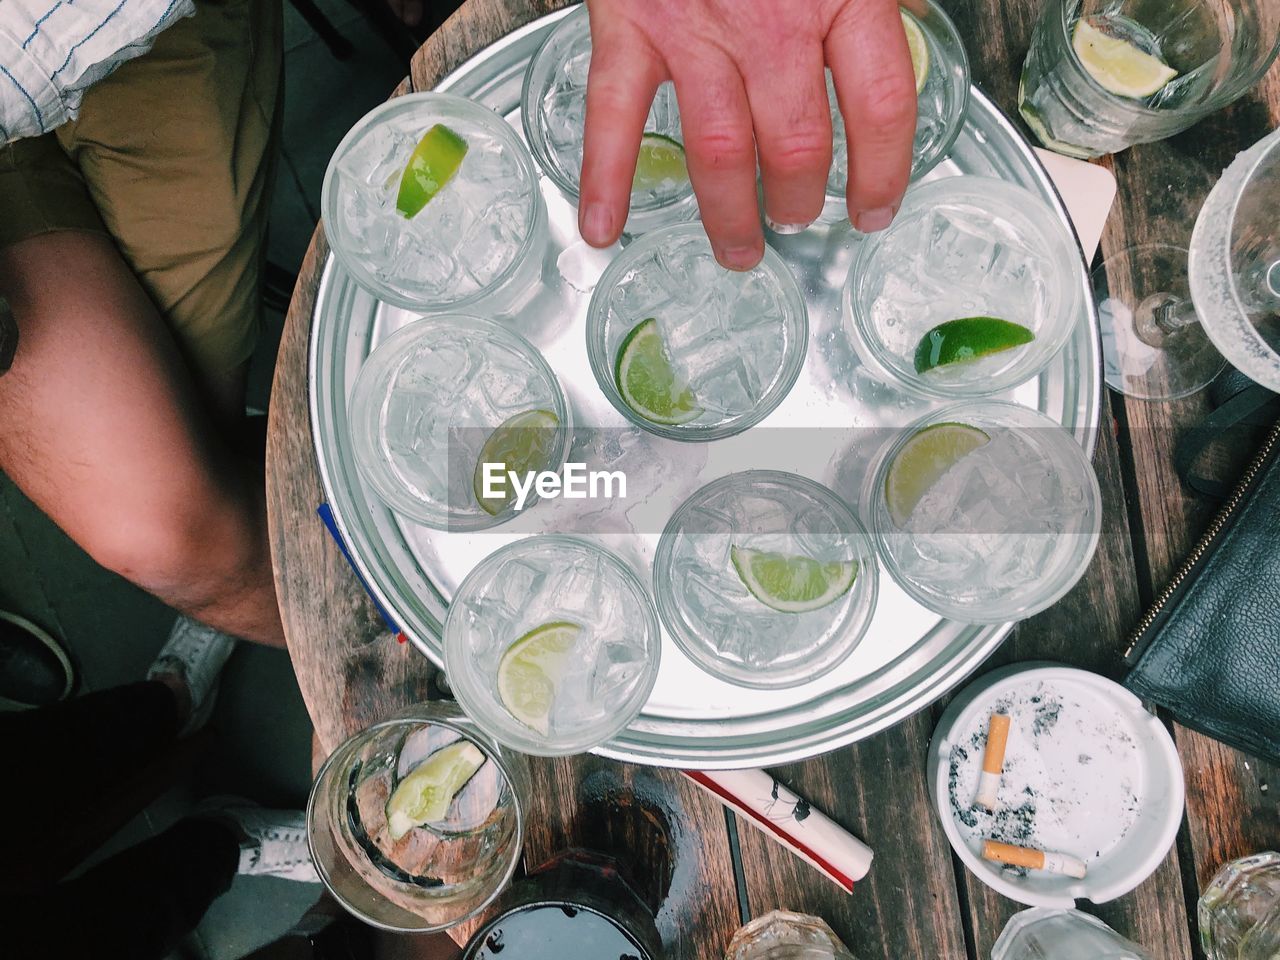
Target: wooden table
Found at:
918, 903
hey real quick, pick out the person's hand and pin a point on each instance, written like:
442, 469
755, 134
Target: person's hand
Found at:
749, 78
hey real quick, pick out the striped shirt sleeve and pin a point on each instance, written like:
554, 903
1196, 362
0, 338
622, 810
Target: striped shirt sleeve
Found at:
52, 51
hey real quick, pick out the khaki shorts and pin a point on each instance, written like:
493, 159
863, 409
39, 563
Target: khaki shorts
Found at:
173, 158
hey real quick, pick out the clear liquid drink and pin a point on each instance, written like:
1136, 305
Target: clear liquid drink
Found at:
765, 579
478, 243
1044, 934
783, 935
940, 104
964, 248
1239, 913
1185, 60
552, 645
392, 871
984, 512
731, 344
434, 401
554, 110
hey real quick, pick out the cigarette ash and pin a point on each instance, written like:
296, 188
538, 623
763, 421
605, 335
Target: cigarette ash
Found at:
1067, 783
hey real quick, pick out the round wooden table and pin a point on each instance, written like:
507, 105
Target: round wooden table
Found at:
709, 871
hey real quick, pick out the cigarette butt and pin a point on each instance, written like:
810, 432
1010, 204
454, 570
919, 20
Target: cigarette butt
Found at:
1045, 860
993, 760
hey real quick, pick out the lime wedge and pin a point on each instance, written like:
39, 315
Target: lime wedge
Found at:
647, 381
792, 584
923, 459
1117, 65
660, 164
425, 794
530, 672
521, 443
968, 339
919, 48
435, 160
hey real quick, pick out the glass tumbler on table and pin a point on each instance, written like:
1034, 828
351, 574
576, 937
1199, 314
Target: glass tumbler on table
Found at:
1045, 934
1239, 913
1102, 75
417, 823
783, 935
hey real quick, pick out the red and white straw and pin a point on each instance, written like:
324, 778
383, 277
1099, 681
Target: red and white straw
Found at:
791, 820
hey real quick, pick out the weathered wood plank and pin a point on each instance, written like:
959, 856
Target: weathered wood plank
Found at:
907, 906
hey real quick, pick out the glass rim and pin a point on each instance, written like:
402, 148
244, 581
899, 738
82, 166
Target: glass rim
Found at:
867, 584
513, 735
394, 495
797, 316
534, 133
1038, 601
926, 197
1217, 99
481, 116
492, 751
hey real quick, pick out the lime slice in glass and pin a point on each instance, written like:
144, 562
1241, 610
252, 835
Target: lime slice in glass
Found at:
647, 381
435, 160
923, 459
530, 672
425, 794
792, 584
968, 339
660, 164
1119, 66
919, 48
521, 443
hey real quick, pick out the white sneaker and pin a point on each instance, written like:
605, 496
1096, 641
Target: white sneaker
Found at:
197, 653
273, 842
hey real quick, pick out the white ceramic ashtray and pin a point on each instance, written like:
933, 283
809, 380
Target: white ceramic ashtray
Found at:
1087, 774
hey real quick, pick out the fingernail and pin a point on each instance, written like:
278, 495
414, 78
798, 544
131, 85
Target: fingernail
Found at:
786, 229
740, 258
869, 221
597, 224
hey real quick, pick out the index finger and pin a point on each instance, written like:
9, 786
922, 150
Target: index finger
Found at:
621, 84
870, 64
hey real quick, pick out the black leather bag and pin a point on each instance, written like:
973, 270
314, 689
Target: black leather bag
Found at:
1209, 648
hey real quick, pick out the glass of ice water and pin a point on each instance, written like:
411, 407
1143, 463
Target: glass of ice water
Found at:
972, 290
765, 579
554, 110
478, 243
984, 511
417, 823
1045, 934
439, 399
552, 644
1102, 75
941, 100
687, 349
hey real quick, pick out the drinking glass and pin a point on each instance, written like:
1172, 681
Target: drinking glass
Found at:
435, 401
589, 636
477, 245
1004, 530
783, 935
940, 105
437, 874
554, 110
735, 340
1219, 48
1239, 912
712, 610
960, 248
1169, 316
1045, 934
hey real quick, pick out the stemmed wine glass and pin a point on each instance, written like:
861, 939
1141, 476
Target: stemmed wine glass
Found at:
1172, 318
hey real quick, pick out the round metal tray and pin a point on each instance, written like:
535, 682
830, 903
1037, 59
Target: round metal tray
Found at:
908, 658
